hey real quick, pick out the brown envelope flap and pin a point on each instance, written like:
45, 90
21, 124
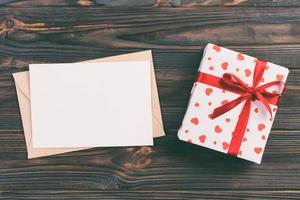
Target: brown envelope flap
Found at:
22, 77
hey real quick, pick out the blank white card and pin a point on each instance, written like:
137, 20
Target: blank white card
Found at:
91, 104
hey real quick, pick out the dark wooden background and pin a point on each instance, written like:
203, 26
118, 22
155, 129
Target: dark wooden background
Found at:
50, 31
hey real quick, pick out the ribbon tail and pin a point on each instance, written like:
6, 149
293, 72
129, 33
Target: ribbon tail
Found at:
261, 98
239, 131
270, 98
228, 106
273, 83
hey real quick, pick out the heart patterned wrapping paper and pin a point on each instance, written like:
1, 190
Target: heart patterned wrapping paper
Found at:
233, 103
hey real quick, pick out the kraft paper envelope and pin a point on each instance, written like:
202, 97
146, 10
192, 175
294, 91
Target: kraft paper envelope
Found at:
23, 93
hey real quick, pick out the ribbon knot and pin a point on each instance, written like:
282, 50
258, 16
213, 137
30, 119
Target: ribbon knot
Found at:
232, 83
253, 95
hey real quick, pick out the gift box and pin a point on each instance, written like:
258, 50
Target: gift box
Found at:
233, 103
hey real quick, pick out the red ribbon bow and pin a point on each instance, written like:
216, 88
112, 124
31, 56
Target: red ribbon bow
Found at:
232, 83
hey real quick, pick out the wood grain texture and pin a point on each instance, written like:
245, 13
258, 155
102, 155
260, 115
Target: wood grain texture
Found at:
171, 169
146, 195
152, 3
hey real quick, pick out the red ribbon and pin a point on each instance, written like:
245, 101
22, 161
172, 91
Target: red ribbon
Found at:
233, 84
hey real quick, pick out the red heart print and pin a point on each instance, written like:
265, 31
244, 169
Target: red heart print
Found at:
197, 104
208, 91
189, 141
209, 103
195, 121
209, 58
227, 120
210, 116
186, 131
247, 72
211, 68
244, 139
247, 130
256, 110
215, 142
216, 48
224, 65
202, 138
261, 127
263, 137
279, 77
237, 69
240, 56
218, 129
225, 145
224, 102
258, 150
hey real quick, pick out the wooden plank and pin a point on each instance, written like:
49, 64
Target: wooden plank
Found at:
13, 142
83, 3
151, 3
263, 26
170, 164
155, 194
42, 34
15, 57
240, 3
